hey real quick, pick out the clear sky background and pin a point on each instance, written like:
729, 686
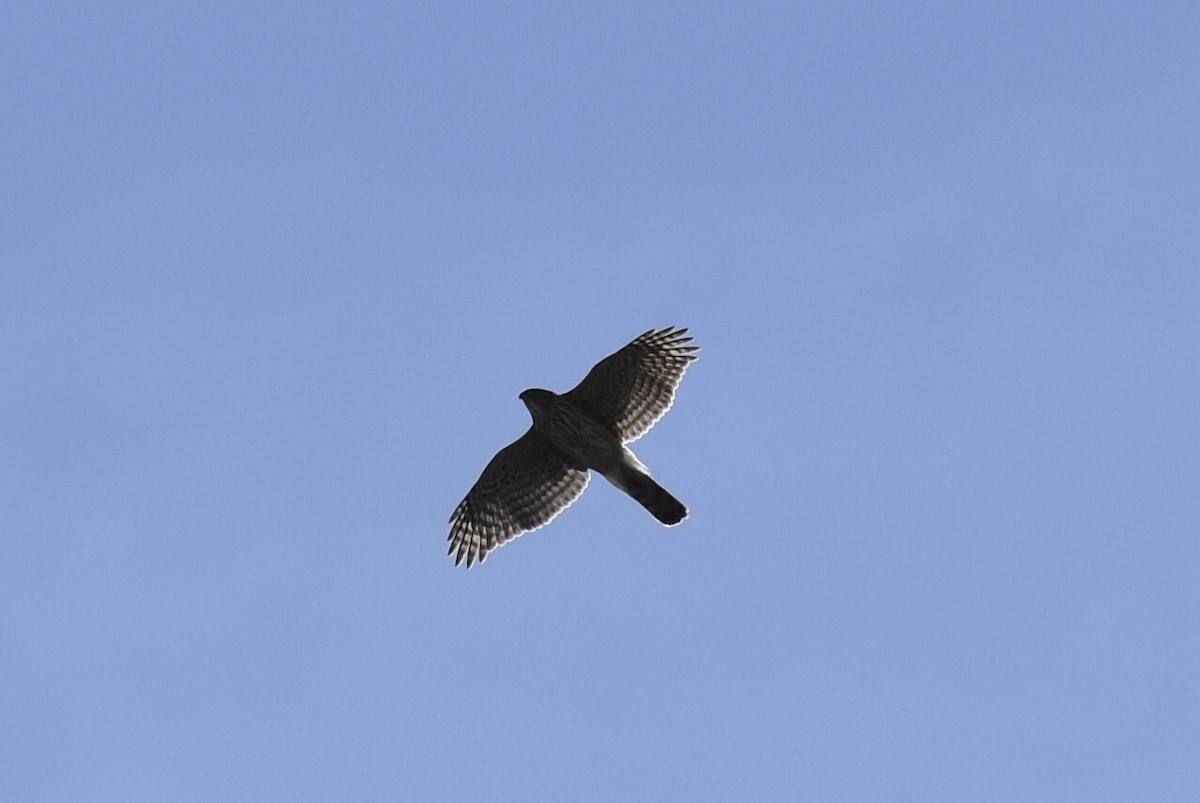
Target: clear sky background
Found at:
272, 277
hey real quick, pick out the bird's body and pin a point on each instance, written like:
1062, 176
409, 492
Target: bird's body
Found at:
589, 444
574, 432
533, 479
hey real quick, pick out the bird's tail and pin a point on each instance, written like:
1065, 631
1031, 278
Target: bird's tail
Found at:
652, 496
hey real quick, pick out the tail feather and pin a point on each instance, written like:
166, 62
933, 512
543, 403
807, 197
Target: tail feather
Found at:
654, 497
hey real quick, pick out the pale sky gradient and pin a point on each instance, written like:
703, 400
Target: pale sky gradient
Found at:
272, 277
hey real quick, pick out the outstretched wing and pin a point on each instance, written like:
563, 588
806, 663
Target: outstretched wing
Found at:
630, 390
525, 485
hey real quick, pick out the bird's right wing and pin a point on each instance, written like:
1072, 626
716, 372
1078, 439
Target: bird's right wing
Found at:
524, 487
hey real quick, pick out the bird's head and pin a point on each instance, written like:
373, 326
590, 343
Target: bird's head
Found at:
536, 398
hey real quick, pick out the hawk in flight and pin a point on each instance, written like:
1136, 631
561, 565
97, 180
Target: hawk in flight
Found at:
537, 476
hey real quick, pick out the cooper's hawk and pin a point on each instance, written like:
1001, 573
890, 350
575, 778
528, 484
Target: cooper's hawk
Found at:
536, 477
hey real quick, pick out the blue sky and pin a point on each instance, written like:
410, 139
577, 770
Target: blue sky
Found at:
271, 279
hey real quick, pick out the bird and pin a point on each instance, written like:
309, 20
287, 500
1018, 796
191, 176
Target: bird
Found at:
541, 473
